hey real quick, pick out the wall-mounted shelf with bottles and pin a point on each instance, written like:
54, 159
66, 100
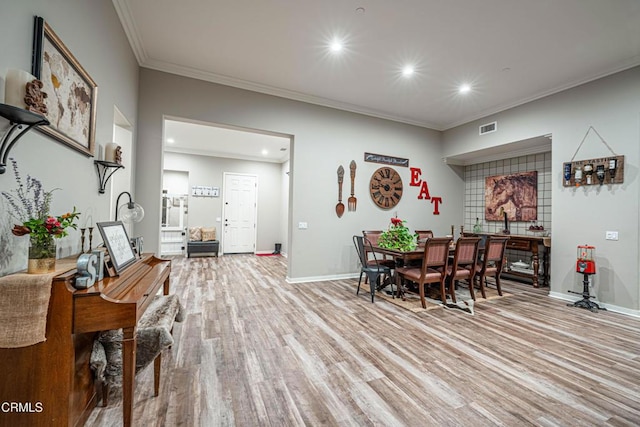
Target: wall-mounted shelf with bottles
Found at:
604, 170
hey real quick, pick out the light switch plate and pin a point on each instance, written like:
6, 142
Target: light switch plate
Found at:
302, 226
611, 235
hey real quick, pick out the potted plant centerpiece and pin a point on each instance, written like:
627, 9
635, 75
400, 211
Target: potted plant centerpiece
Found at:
398, 237
30, 206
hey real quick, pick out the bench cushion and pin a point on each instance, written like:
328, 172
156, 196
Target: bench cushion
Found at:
153, 335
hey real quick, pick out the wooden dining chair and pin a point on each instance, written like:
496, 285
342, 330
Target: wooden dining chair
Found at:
369, 267
435, 260
463, 267
492, 262
423, 235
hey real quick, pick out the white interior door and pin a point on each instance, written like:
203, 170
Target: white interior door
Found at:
240, 208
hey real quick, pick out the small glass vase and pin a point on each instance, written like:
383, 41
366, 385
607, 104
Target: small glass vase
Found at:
42, 255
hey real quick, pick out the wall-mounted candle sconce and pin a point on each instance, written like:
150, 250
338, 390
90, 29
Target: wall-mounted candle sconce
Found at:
105, 170
20, 120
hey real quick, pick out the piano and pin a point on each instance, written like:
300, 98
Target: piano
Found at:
51, 383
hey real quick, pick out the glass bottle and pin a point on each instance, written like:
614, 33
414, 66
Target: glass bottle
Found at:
477, 228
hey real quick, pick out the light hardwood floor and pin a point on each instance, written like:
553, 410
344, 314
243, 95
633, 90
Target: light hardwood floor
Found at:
255, 350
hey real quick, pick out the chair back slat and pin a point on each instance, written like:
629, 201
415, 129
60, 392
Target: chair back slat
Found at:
436, 253
494, 252
466, 253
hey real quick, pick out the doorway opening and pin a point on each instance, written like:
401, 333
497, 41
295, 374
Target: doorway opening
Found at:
223, 162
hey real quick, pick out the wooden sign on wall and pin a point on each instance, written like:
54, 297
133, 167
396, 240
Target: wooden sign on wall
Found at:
594, 168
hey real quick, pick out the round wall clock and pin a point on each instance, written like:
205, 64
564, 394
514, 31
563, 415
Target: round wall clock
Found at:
385, 187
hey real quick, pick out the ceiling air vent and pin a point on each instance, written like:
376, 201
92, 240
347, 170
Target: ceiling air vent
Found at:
488, 128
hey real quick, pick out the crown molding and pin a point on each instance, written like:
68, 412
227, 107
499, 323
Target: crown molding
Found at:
279, 92
128, 24
131, 31
633, 62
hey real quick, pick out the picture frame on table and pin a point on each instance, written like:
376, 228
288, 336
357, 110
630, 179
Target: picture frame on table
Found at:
71, 93
118, 244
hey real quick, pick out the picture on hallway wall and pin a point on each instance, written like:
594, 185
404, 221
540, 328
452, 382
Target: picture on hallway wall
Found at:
70, 91
515, 194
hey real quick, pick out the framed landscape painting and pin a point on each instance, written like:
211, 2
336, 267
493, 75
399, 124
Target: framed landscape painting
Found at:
71, 92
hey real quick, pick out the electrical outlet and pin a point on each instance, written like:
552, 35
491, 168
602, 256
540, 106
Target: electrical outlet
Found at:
302, 226
611, 235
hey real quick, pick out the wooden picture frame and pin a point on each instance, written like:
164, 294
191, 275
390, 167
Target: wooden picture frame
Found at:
515, 194
118, 245
71, 94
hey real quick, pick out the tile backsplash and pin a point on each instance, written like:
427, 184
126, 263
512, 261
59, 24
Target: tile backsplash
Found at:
474, 202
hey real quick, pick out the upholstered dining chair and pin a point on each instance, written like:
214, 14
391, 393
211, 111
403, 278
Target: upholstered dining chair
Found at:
423, 235
492, 262
433, 269
463, 267
372, 236
369, 267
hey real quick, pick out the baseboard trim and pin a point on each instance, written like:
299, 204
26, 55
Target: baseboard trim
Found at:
609, 307
322, 278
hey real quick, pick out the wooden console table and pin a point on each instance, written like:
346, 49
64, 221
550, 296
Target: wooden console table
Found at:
528, 244
52, 380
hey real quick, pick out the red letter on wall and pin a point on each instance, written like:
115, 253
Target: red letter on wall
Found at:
436, 202
424, 191
415, 177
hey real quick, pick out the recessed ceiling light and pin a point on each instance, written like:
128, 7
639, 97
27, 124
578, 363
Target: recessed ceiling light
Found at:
171, 140
407, 71
464, 88
336, 46
264, 152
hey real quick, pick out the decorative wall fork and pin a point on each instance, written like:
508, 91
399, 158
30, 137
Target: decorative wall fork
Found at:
352, 201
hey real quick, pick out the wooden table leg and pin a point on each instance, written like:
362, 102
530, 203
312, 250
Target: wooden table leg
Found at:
165, 287
128, 374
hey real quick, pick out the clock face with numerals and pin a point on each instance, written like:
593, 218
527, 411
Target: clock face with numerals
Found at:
385, 187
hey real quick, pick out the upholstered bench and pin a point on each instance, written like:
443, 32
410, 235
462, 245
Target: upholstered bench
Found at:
153, 335
200, 247
202, 240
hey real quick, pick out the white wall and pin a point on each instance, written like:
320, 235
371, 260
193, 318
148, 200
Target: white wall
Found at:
582, 215
203, 211
323, 138
92, 32
284, 207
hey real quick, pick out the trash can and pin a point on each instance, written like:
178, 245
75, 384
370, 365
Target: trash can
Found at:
277, 249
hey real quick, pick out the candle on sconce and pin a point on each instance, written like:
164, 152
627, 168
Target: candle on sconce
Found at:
110, 152
15, 87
